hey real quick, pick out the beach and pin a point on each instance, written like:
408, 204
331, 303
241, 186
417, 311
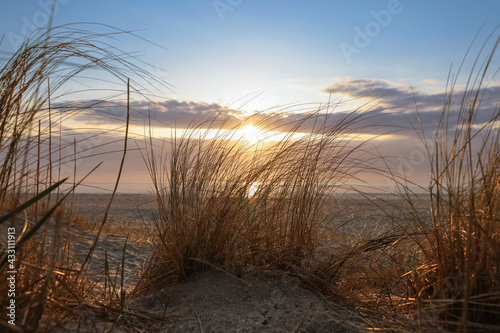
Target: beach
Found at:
216, 300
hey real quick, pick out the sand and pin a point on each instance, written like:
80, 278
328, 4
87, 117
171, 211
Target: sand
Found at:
214, 301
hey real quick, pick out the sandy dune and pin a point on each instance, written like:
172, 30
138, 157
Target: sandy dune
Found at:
214, 301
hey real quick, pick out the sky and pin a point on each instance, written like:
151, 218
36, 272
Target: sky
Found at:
266, 55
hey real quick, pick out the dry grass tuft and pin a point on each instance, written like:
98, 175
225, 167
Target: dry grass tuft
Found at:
207, 216
458, 271
447, 261
46, 279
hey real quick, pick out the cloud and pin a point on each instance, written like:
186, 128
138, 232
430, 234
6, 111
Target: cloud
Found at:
394, 108
182, 114
167, 113
385, 93
397, 99
393, 112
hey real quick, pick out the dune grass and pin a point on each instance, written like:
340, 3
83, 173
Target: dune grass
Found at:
458, 272
229, 202
443, 269
38, 255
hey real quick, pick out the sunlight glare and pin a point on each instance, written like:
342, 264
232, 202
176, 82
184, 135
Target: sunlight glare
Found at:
252, 190
250, 133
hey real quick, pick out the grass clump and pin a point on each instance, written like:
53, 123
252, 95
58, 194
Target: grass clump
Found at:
459, 271
440, 266
40, 255
227, 201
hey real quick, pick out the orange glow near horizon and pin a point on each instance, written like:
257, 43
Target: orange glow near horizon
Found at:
248, 133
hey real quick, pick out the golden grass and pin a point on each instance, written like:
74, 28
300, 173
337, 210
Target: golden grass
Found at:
459, 266
206, 212
46, 276
439, 269
443, 271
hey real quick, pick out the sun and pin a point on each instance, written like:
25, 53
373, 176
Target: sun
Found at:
250, 133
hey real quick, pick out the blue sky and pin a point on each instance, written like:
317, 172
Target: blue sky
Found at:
290, 50
218, 52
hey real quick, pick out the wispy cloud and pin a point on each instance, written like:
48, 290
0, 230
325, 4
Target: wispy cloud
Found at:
401, 98
167, 113
389, 127
386, 93
395, 107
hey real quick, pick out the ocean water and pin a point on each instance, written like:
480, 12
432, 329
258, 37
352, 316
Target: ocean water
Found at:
352, 213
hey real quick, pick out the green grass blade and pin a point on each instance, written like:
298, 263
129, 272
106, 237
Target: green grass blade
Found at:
31, 201
122, 290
